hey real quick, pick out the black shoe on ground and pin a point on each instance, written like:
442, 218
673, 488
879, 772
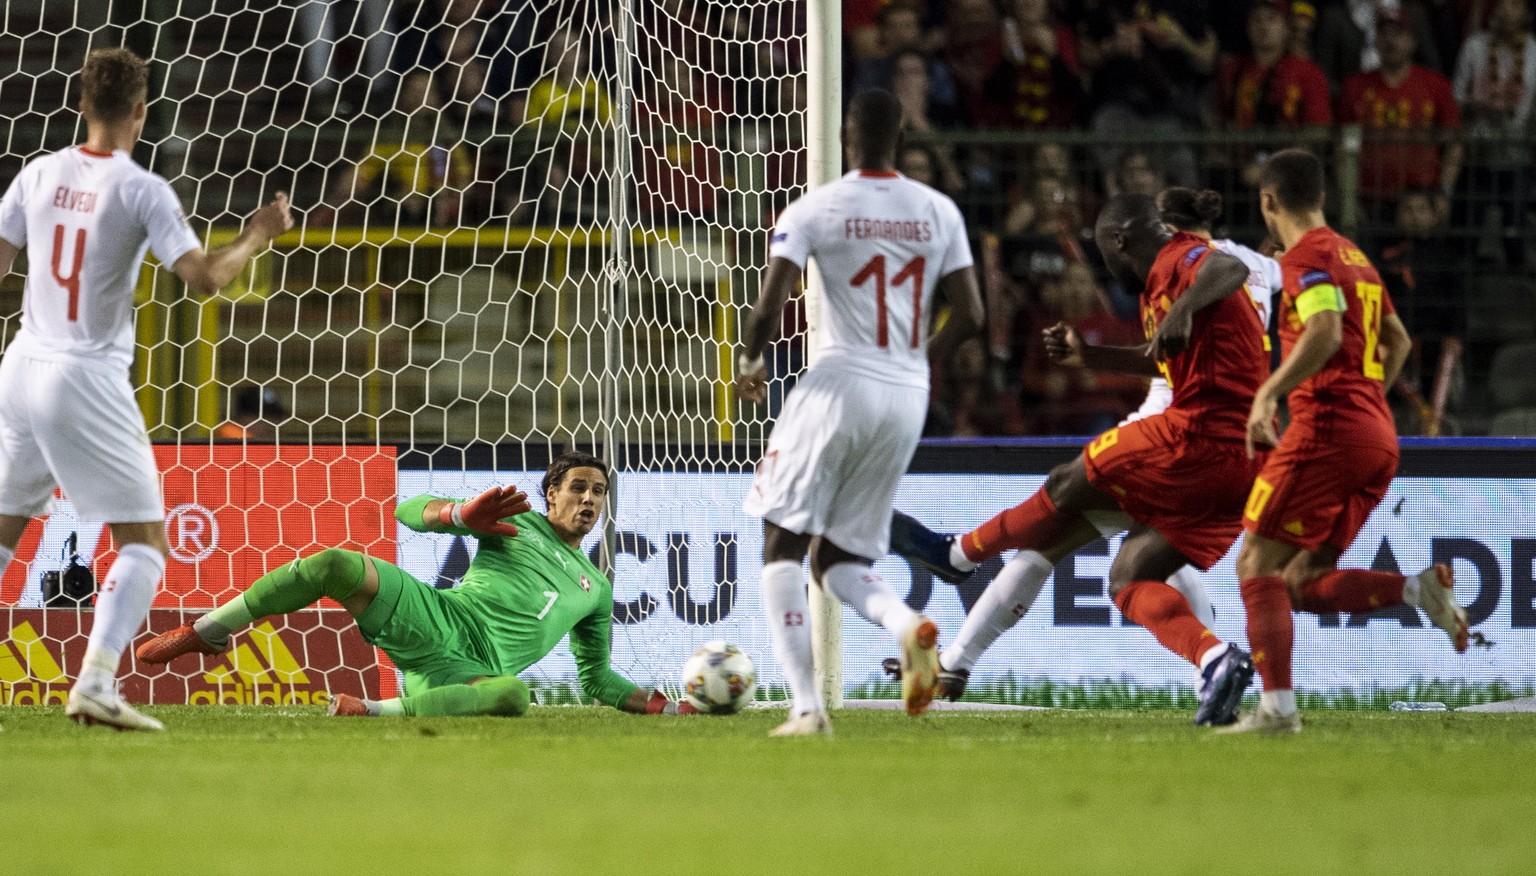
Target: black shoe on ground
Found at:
1221, 687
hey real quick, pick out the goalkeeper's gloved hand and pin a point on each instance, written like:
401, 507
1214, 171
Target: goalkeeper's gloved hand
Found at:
658, 704
485, 512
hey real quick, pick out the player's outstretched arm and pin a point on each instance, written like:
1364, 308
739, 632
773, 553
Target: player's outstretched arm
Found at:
966, 313
1064, 346
1219, 276
207, 272
590, 646
485, 514
779, 282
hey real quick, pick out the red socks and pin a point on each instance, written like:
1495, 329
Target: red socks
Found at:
1166, 614
1033, 525
1352, 590
1270, 631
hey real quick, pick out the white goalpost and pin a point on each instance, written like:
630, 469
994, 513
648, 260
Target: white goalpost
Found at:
824, 163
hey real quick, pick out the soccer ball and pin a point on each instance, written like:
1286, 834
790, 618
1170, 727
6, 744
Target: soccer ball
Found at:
719, 678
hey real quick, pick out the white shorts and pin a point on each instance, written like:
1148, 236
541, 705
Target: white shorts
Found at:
840, 448
77, 428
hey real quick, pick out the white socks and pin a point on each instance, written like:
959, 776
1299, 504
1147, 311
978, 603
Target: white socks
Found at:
868, 593
1210, 654
1187, 581
1412, 586
1279, 702
957, 557
789, 626
122, 605
1001, 606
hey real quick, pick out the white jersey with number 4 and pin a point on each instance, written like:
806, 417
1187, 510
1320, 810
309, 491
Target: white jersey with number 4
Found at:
848, 430
86, 219
881, 242
68, 417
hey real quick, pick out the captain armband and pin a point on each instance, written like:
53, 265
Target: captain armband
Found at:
1323, 296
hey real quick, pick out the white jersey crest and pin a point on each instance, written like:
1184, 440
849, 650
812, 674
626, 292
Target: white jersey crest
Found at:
882, 242
86, 220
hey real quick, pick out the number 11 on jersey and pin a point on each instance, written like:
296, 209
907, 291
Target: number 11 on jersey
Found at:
913, 270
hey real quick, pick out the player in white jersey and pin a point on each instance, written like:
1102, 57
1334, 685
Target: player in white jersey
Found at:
1009, 595
883, 244
68, 419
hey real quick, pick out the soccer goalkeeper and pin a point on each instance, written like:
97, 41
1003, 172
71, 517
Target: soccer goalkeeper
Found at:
528, 586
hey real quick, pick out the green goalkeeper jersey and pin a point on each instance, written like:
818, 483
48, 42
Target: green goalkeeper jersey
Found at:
526, 593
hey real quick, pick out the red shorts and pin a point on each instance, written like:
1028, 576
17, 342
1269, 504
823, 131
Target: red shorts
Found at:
1188, 487
1312, 493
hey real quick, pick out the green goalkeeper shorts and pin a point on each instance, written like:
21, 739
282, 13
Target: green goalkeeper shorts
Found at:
427, 636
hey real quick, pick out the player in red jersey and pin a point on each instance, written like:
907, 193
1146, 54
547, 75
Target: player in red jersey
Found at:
1341, 343
1182, 475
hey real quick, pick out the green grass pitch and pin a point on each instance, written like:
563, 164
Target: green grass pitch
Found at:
589, 790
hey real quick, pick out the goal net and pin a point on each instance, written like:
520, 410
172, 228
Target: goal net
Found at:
525, 228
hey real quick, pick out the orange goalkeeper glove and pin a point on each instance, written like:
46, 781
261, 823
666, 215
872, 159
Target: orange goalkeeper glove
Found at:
485, 512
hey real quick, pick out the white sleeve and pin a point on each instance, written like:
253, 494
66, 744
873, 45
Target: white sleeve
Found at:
13, 213
957, 254
170, 237
791, 236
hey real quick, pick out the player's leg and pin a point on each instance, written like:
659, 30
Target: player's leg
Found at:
503, 696
1138, 585
1003, 604
1189, 583
1317, 584
853, 580
1261, 566
788, 607
346, 576
1041, 521
89, 430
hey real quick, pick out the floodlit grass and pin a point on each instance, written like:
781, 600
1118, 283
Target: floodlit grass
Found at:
589, 790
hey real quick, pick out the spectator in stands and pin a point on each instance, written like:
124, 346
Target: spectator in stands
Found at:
1268, 89
910, 85
317, 33
901, 30
418, 167
1136, 174
679, 119
568, 98
255, 413
1066, 401
1495, 83
1402, 107
1148, 63
1423, 274
1037, 83
1346, 38
973, 47
917, 162
471, 47
1303, 30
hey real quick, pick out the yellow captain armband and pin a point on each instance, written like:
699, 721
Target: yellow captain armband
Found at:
1323, 296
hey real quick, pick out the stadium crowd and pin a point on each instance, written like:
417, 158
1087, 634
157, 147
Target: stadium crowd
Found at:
1422, 105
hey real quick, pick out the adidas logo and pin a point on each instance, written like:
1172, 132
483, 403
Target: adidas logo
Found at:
259, 671
29, 675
